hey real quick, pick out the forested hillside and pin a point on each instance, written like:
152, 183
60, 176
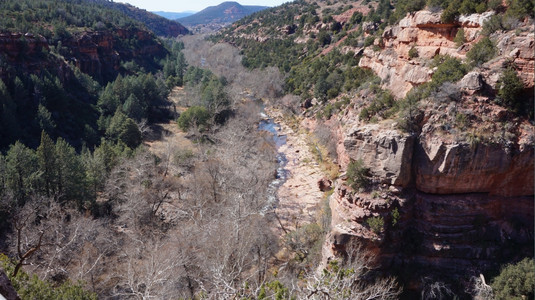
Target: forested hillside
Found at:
57, 56
32, 16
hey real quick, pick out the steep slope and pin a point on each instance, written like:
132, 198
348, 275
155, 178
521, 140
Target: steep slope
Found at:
45, 82
222, 14
156, 23
443, 141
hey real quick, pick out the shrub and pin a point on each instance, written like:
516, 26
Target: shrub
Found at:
492, 25
459, 37
369, 41
395, 216
358, 174
382, 105
413, 52
494, 4
449, 14
520, 8
408, 110
516, 281
482, 52
449, 69
324, 38
510, 87
31, 287
376, 224
462, 121
194, 116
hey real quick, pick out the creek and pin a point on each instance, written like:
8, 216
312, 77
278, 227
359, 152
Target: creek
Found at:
268, 124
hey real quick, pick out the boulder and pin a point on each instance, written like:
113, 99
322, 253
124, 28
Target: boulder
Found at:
420, 19
471, 82
369, 26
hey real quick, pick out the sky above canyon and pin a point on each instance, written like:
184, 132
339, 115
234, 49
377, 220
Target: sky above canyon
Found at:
195, 5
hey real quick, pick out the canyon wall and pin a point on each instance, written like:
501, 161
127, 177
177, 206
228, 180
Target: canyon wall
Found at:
452, 207
98, 54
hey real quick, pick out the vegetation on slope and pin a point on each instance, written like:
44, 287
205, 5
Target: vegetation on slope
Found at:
53, 19
43, 89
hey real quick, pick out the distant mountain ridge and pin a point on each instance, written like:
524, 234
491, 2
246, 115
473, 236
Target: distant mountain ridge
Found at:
224, 13
174, 15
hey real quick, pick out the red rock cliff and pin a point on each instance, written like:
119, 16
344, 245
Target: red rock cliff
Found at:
465, 205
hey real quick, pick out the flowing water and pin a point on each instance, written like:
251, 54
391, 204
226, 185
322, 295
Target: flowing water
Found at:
267, 124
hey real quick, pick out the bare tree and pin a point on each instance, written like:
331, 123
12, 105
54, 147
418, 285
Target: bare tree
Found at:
436, 290
151, 269
57, 243
350, 280
480, 290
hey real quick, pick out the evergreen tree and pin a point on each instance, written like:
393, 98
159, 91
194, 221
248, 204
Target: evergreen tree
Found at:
46, 158
21, 169
69, 171
133, 108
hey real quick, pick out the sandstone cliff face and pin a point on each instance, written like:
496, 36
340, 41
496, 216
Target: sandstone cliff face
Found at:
100, 53
387, 153
15, 44
95, 53
23, 50
464, 207
458, 168
424, 31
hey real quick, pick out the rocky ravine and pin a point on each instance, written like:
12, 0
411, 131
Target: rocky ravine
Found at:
464, 207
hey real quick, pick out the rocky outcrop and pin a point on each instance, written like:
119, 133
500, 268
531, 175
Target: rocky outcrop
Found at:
423, 31
517, 48
451, 208
23, 50
443, 237
387, 153
457, 168
97, 53
17, 44
100, 53
93, 53
398, 75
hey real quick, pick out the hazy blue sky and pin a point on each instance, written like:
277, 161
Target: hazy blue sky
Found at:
193, 5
